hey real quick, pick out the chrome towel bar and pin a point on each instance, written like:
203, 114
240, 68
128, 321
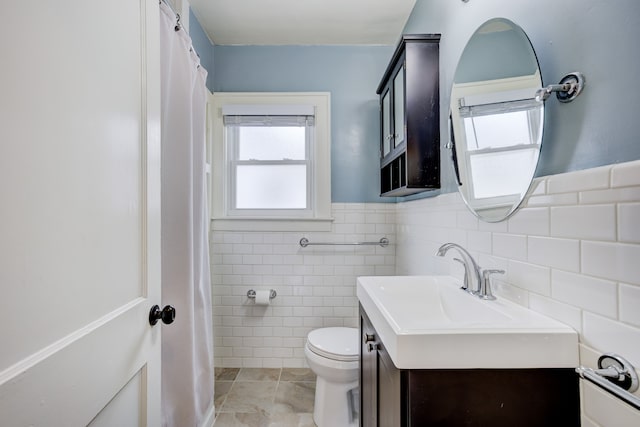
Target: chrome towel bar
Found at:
616, 375
384, 242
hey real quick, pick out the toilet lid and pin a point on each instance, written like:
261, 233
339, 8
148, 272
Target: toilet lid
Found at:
335, 343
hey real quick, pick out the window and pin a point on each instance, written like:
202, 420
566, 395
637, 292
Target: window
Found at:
502, 138
271, 161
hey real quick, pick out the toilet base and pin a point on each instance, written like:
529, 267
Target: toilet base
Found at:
332, 408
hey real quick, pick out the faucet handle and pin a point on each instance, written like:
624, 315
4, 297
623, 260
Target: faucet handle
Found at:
485, 286
465, 281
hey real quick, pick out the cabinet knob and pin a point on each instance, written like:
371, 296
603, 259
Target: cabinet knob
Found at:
372, 347
369, 337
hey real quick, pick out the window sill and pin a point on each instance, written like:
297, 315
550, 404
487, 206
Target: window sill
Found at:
271, 224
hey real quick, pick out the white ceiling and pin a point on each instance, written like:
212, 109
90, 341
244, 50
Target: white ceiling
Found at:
303, 22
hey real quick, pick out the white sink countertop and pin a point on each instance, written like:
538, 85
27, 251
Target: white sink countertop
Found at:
428, 322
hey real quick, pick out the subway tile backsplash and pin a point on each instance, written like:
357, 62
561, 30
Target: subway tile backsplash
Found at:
572, 252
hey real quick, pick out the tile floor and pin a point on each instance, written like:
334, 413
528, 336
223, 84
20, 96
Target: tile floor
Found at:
264, 397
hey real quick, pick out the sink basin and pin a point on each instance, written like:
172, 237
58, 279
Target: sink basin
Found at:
428, 322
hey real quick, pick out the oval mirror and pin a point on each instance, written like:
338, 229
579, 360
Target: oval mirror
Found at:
496, 123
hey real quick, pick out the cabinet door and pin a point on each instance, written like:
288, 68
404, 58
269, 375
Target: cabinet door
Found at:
385, 117
368, 375
389, 391
398, 108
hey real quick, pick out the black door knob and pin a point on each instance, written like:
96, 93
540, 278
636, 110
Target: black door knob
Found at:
167, 314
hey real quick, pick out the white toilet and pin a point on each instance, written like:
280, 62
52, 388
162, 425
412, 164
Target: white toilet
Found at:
333, 355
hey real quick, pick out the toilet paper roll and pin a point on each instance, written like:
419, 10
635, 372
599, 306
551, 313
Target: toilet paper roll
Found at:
262, 298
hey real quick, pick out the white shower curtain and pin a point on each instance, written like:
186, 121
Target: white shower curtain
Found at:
187, 344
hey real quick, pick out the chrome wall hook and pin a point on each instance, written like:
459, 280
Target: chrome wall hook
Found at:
567, 90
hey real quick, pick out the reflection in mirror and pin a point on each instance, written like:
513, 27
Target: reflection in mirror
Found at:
496, 122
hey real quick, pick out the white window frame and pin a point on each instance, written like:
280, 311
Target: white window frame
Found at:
318, 216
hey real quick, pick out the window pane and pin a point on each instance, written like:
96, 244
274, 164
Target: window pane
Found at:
488, 172
386, 124
398, 108
498, 130
271, 143
271, 187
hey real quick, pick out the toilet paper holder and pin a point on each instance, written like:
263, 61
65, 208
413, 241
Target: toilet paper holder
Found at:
251, 294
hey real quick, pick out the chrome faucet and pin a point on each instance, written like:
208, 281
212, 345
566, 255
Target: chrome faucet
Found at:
471, 269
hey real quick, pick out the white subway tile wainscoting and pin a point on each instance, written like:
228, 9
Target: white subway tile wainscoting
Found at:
316, 285
572, 252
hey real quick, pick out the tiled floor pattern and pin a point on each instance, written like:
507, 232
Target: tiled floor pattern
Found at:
264, 397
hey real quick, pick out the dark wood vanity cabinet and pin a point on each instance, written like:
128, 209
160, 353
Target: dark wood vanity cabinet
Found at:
410, 118
380, 383
392, 397
368, 373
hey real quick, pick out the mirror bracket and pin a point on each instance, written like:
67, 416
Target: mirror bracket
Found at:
567, 90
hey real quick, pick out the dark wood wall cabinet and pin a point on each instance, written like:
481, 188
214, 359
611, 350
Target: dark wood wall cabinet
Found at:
392, 397
410, 118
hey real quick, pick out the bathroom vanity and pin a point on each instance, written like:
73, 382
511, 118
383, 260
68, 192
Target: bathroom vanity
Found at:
431, 353
427, 362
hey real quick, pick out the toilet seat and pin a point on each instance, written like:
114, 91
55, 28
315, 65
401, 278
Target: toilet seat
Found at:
341, 344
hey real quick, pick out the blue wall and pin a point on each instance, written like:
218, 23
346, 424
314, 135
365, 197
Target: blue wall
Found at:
596, 37
350, 73
203, 46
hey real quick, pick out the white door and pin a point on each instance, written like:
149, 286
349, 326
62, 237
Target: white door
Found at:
79, 213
